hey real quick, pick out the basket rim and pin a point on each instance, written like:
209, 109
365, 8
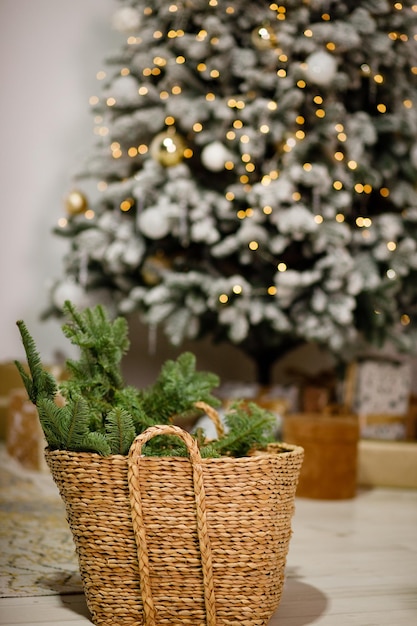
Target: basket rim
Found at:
280, 446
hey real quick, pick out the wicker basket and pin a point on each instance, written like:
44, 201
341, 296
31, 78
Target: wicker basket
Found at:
176, 541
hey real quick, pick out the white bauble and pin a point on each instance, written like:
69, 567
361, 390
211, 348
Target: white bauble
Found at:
133, 252
126, 20
214, 156
124, 88
321, 68
68, 290
154, 223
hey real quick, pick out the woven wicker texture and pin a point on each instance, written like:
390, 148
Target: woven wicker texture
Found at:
193, 541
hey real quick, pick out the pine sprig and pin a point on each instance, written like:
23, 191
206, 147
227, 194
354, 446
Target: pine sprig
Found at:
97, 375
120, 431
177, 388
165, 445
96, 442
65, 426
102, 345
68, 427
101, 414
40, 383
52, 422
249, 427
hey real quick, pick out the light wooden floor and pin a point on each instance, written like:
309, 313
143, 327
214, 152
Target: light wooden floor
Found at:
351, 563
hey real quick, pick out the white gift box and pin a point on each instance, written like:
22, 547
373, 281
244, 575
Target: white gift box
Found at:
381, 392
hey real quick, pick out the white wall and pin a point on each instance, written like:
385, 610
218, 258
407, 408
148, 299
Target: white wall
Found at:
50, 51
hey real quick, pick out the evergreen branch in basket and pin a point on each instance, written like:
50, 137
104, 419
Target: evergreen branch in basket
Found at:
99, 413
249, 427
120, 430
40, 383
177, 388
102, 344
68, 427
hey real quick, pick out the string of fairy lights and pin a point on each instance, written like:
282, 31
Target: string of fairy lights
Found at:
170, 148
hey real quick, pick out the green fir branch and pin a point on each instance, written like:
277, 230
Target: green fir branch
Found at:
177, 388
120, 431
129, 399
96, 442
77, 418
50, 417
248, 427
101, 414
165, 445
102, 343
65, 427
40, 383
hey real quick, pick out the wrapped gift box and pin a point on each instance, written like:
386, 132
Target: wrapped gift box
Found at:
379, 393
9, 380
25, 440
382, 387
330, 442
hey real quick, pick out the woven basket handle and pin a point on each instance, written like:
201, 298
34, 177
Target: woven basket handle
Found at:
213, 415
139, 526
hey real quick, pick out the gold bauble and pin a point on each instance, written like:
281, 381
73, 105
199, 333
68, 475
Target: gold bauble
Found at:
76, 202
167, 148
264, 37
153, 268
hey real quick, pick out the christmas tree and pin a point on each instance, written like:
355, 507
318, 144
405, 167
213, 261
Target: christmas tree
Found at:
256, 169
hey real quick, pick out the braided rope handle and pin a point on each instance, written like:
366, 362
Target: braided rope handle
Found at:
139, 527
213, 415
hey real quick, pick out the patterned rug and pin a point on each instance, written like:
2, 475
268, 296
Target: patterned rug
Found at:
37, 555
